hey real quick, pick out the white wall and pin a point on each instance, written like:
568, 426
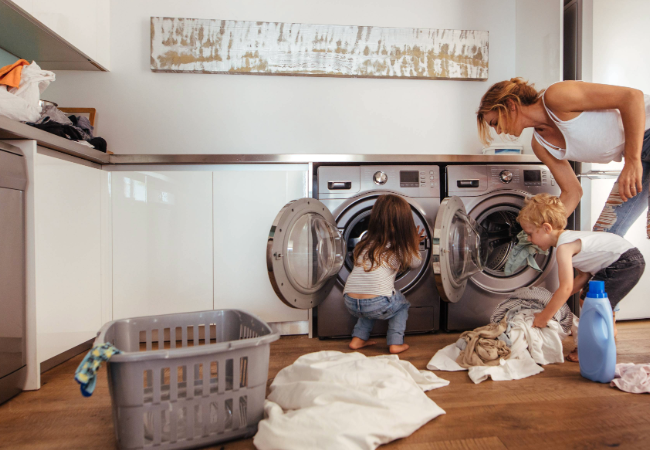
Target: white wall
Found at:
621, 45
538, 52
144, 112
621, 56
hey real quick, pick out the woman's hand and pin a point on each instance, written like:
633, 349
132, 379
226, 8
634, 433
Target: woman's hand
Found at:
630, 181
422, 233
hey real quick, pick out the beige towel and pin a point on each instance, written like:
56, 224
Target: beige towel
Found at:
483, 347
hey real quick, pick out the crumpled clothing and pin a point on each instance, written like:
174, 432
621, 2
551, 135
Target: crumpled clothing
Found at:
347, 401
633, 378
10, 75
535, 298
523, 253
66, 131
530, 347
543, 344
86, 373
83, 123
483, 348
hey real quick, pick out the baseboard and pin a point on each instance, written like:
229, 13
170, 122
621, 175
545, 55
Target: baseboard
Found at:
65, 356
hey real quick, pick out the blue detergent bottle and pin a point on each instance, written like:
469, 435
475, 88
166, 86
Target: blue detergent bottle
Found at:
596, 345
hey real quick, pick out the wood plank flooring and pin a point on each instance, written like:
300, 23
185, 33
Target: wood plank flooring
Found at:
556, 409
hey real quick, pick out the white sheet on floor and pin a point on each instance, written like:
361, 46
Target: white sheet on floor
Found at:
530, 346
334, 400
634, 378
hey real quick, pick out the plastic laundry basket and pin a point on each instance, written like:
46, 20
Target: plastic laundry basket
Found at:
199, 379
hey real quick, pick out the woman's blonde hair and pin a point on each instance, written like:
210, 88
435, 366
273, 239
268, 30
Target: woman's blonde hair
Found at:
544, 208
495, 99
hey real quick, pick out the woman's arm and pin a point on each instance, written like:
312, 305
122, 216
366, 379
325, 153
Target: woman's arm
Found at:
563, 174
569, 97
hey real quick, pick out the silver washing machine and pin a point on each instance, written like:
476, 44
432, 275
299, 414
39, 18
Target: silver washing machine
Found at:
492, 196
309, 252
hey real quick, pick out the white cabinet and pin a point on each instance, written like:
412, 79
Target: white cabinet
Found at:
162, 242
67, 232
83, 23
247, 198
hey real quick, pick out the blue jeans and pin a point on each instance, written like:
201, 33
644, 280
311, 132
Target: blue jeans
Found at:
618, 216
395, 309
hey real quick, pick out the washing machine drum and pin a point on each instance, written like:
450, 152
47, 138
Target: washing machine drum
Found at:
497, 216
354, 223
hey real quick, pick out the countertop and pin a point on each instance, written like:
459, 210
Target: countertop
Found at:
11, 129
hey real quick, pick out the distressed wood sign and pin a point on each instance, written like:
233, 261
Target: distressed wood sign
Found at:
272, 48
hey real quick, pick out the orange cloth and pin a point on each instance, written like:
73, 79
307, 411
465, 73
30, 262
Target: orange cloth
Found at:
10, 75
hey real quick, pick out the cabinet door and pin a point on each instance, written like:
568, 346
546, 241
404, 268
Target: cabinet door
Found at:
83, 23
67, 242
162, 242
246, 201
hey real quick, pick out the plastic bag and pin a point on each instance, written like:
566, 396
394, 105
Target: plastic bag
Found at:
22, 103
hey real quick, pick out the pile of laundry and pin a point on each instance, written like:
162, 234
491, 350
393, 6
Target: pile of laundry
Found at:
75, 128
329, 399
509, 348
21, 85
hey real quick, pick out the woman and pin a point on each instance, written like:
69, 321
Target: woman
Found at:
585, 122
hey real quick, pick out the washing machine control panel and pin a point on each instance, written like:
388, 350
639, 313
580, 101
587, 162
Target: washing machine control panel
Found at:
421, 181
477, 179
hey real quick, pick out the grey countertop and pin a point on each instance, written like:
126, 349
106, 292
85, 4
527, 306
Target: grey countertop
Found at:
10, 129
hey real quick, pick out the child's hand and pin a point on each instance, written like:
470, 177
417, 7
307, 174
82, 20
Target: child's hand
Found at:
540, 321
422, 234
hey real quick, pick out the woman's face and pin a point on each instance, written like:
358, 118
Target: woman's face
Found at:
492, 119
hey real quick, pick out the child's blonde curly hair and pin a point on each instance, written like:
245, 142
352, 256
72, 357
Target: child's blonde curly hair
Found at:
544, 208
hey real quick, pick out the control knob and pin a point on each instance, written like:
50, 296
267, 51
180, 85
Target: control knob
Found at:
380, 178
505, 176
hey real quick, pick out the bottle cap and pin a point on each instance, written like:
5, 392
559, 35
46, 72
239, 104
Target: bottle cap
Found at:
597, 289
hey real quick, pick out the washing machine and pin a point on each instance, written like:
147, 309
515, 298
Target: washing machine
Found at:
491, 196
310, 245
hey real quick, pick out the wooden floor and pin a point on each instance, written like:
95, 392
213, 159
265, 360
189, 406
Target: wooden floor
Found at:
556, 409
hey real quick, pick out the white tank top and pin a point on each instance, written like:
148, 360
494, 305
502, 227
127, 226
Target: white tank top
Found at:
599, 249
592, 137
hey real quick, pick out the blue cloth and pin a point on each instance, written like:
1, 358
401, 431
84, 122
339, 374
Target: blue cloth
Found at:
626, 213
395, 309
86, 373
523, 253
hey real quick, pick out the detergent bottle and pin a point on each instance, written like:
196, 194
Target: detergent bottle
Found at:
596, 346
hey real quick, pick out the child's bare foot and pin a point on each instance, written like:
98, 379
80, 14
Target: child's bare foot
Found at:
398, 348
573, 356
357, 343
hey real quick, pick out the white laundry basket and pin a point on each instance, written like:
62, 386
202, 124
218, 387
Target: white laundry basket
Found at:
207, 386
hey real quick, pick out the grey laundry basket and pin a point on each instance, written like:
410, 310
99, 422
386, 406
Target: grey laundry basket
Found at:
206, 387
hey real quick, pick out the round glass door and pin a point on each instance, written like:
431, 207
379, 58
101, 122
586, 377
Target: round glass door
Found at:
458, 249
497, 214
305, 252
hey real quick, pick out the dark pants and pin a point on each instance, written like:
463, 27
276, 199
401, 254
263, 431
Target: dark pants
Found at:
621, 276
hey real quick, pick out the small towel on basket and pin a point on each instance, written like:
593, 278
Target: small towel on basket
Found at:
86, 373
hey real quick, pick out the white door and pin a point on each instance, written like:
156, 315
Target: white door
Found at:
457, 250
304, 253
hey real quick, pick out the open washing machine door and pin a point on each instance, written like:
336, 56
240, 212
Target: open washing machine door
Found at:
457, 251
304, 253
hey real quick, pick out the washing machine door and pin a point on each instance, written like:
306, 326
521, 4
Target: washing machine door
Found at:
304, 253
457, 252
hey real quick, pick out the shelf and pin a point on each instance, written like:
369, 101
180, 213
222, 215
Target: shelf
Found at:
10, 129
23, 35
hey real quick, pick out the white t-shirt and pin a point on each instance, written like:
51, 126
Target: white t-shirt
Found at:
599, 249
